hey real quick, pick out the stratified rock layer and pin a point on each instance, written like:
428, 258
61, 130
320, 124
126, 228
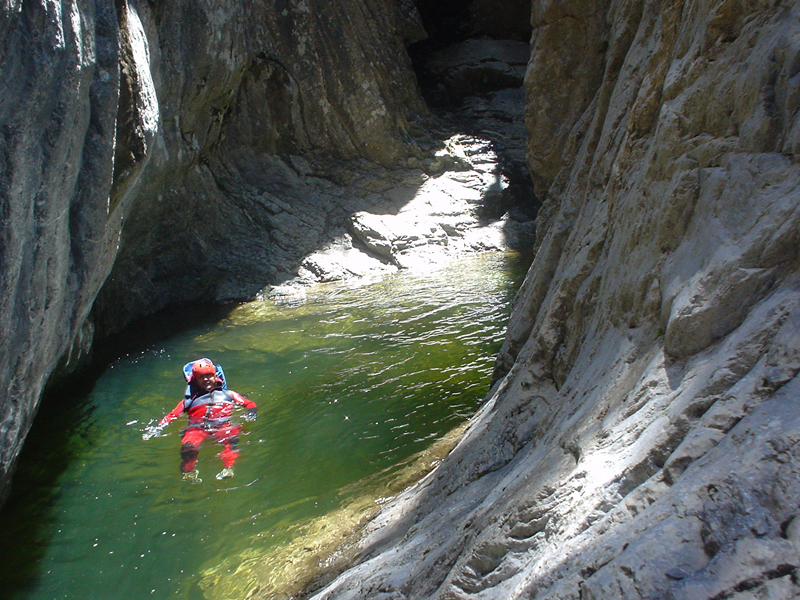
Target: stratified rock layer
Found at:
642, 439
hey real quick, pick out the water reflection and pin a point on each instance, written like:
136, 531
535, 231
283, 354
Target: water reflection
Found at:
349, 385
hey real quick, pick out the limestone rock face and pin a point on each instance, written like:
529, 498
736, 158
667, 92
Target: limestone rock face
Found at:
459, 200
165, 139
641, 439
79, 116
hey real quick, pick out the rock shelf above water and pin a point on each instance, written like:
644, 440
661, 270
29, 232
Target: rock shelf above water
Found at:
426, 221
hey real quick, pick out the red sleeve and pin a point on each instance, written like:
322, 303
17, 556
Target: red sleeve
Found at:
171, 416
239, 399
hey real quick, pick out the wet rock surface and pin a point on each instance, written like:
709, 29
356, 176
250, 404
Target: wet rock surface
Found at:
474, 66
75, 94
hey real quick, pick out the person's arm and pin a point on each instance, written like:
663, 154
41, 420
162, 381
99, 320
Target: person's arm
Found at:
252, 409
154, 430
172, 415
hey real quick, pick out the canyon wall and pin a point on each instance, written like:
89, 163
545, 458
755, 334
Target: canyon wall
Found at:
640, 440
171, 151
642, 437
59, 109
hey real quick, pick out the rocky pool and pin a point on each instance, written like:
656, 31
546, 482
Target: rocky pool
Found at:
357, 386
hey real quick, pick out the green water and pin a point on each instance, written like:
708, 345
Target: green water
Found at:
349, 384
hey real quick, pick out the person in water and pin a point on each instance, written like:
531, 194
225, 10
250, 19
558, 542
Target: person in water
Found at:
209, 407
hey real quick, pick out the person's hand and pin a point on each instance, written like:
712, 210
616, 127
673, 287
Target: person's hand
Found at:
151, 431
251, 414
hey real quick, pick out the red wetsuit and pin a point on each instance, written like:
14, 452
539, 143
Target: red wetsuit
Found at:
209, 415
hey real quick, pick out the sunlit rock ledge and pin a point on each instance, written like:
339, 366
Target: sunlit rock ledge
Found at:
420, 221
642, 439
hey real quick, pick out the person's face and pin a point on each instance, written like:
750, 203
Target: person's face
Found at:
206, 381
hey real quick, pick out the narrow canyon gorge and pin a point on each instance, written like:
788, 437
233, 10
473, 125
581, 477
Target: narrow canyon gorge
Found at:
641, 436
